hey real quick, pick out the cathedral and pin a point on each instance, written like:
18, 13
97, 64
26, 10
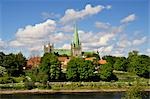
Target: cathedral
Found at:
75, 51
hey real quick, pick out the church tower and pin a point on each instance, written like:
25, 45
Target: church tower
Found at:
76, 45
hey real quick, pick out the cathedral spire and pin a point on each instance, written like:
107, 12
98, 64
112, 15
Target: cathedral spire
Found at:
76, 37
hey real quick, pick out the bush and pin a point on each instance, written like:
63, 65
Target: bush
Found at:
18, 79
3, 71
106, 72
134, 92
5, 80
29, 85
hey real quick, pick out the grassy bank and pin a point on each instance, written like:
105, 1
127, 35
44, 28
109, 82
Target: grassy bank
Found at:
74, 85
125, 81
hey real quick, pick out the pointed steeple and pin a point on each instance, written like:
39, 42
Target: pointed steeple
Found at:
76, 37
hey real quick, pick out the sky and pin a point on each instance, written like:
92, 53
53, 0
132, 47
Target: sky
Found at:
113, 27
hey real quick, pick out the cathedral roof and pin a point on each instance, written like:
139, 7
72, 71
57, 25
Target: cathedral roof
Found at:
63, 51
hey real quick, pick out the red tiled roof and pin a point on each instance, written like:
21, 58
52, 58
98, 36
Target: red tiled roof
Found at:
102, 61
62, 59
90, 58
33, 62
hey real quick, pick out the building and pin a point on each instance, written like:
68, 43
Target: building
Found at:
76, 45
33, 62
102, 61
75, 51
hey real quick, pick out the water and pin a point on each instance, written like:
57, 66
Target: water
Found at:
114, 95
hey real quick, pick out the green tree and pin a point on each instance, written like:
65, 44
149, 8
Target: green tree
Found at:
14, 64
120, 64
72, 69
134, 92
139, 64
86, 71
132, 61
143, 68
110, 59
50, 66
20, 63
106, 72
3, 71
80, 70
33, 74
2, 55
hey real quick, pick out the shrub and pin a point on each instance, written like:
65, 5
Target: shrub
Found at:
29, 85
18, 79
5, 80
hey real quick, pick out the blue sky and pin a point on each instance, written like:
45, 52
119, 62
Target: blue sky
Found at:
111, 26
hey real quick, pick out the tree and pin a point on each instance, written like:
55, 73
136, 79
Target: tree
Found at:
110, 59
106, 72
2, 55
86, 71
135, 92
72, 69
33, 74
120, 64
143, 68
3, 71
132, 61
14, 64
50, 66
139, 64
20, 63
80, 70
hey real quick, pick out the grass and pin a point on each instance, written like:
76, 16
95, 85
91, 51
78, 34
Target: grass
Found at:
129, 77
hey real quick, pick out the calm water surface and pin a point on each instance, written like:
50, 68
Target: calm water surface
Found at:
115, 95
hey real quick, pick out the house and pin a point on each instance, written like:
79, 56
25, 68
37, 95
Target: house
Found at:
33, 62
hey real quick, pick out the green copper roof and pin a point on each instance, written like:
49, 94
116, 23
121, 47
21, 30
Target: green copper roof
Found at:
89, 52
63, 51
76, 37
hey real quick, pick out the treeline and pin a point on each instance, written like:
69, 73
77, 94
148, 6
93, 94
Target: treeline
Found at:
135, 63
12, 64
78, 69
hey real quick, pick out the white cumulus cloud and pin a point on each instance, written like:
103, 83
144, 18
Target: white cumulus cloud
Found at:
66, 46
37, 31
32, 37
46, 15
71, 14
129, 18
105, 38
139, 41
1, 43
102, 25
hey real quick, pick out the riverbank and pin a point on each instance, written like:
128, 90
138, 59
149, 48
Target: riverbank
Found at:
37, 91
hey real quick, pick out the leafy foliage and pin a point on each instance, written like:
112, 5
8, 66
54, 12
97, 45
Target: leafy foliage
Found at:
139, 64
14, 64
120, 64
3, 71
135, 92
6, 79
2, 55
50, 67
110, 59
72, 69
106, 72
33, 74
80, 70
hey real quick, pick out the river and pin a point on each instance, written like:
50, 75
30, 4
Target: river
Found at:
114, 95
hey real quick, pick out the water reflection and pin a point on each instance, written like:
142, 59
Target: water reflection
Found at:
115, 95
